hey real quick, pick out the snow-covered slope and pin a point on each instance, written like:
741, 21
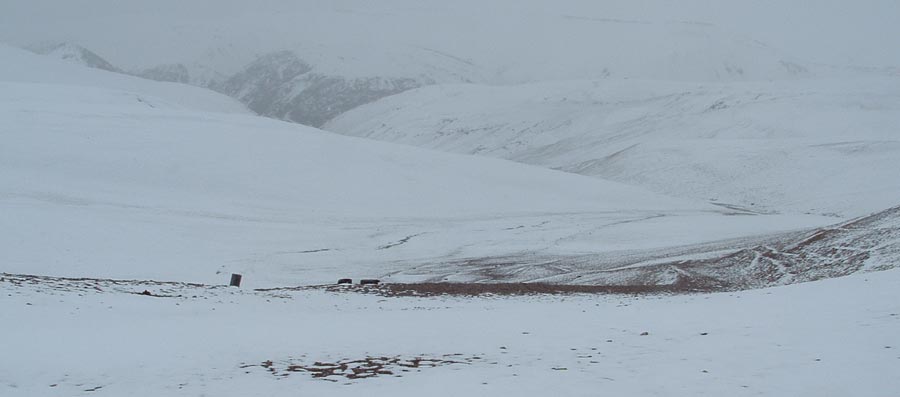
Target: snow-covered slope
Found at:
836, 337
22, 66
110, 181
818, 145
869, 243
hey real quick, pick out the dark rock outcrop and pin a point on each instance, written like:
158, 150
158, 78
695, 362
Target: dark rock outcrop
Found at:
175, 73
283, 86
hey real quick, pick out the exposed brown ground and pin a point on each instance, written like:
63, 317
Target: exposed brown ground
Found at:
367, 367
476, 289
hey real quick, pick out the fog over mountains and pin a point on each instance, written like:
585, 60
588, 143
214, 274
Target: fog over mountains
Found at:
501, 34
311, 61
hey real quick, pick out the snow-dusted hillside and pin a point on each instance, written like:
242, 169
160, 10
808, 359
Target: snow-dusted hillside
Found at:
818, 145
74, 53
866, 244
24, 67
101, 338
109, 180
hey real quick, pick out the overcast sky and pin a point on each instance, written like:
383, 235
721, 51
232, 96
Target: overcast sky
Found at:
137, 34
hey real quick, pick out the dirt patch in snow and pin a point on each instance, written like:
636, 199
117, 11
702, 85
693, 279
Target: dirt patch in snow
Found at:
368, 367
504, 289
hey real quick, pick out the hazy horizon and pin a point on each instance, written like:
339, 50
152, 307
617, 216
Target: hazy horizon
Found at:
225, 35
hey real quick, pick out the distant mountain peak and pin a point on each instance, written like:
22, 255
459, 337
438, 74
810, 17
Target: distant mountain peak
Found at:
74, 53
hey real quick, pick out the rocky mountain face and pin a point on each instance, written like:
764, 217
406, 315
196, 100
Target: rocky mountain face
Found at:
314, 99
260, 83
283, 86
175, 73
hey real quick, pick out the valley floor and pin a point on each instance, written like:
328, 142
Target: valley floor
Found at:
835, 337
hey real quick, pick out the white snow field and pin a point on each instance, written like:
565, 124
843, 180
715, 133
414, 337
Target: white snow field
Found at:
110, 181
105, 177
815, 145
837, 337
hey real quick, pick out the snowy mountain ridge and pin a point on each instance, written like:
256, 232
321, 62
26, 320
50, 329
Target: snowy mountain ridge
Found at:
280, 85
815, 145
74, 53
25, 67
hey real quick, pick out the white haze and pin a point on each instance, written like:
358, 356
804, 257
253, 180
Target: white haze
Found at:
538, 40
